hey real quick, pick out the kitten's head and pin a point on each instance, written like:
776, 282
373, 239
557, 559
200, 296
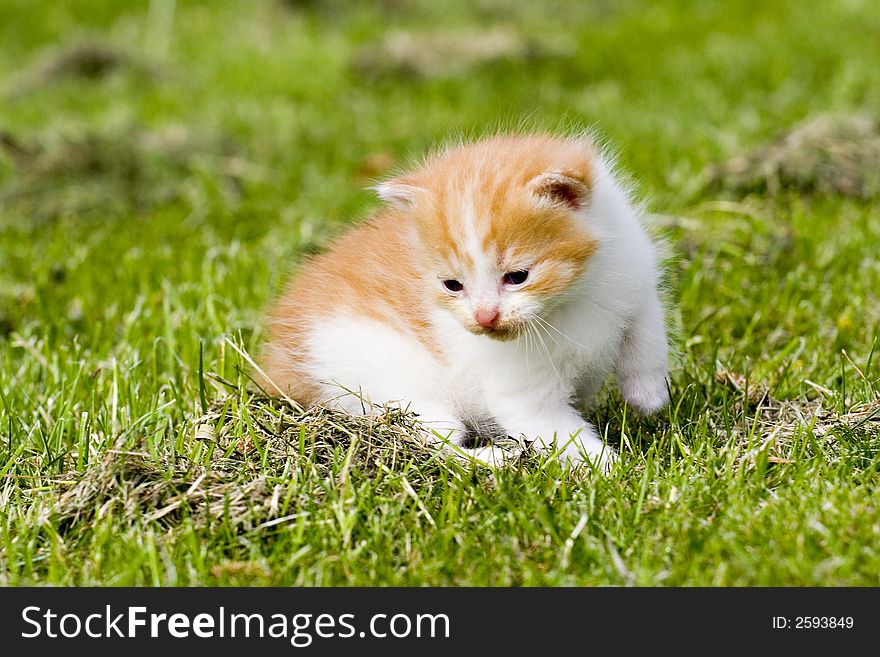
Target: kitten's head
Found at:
497, 221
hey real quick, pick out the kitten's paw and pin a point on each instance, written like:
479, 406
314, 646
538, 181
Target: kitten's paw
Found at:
589, 448
646, 392
438, 426
493, 456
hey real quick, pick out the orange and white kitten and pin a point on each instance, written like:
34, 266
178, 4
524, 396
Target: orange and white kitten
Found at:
497, 290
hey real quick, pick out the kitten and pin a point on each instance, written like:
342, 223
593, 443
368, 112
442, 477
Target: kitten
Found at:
500, 286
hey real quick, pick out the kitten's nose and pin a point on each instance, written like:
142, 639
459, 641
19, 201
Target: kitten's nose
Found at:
486, 317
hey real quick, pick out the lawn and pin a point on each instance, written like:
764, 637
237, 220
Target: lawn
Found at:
164, 165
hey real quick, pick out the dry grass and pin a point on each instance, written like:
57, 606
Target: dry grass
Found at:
775, 422
112, 171
246, 472
131, 486
831, 154
87, 59
449, 53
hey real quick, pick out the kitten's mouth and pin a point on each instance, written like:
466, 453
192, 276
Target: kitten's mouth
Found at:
501, 332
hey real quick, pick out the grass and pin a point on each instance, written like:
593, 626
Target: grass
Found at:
154, 195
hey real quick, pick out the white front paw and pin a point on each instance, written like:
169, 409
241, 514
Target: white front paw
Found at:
588, 448
645, 392
443, 432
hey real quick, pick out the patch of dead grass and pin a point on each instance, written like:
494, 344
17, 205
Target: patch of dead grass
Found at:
829, 154
776, 421
113, 171
449, 53
256, 448
83, 59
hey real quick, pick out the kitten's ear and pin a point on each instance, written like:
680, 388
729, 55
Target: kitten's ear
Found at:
562, 187
399, 192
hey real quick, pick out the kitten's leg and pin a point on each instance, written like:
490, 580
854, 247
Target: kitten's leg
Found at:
641, 366
442, 426
588, 387
561, 430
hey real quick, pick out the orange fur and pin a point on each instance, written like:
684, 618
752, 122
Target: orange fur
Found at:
371, 271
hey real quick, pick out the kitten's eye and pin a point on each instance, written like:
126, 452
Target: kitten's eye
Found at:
516, 277
453, 285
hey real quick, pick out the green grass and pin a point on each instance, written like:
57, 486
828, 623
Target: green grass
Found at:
156, 209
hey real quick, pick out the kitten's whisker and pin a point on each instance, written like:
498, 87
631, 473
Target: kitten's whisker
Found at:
530, 341
555, 341
549, 325
546, 350
519, 336
533, 343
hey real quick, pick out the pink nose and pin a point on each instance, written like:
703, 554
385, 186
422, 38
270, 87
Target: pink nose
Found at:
486, 317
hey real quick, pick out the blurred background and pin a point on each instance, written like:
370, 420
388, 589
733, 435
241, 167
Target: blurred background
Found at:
163, 163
